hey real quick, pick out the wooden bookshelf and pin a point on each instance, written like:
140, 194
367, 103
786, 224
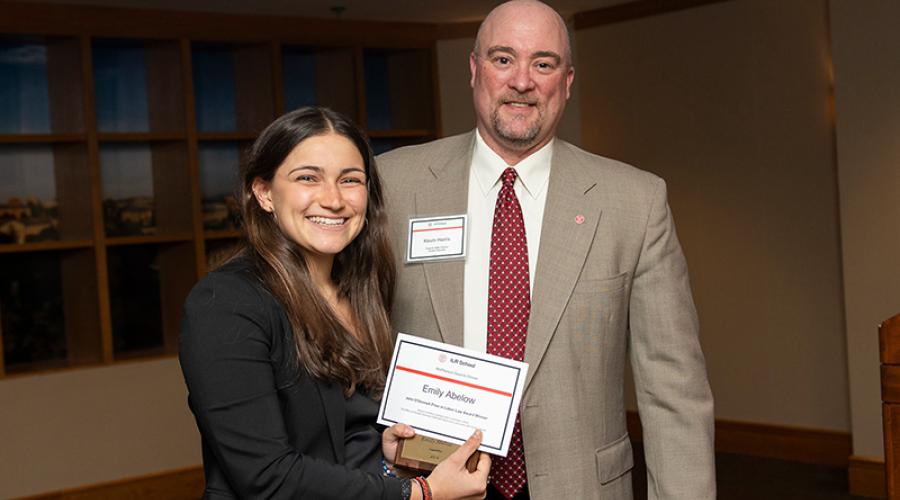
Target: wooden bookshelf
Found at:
141, 136
45, 246
40, 138
121, 154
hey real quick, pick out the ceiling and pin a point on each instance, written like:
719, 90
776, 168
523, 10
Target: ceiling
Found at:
428, 11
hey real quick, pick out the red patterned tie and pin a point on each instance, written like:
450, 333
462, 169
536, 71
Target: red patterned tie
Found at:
509, 304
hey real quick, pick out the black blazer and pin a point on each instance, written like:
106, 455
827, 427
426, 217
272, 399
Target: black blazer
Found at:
267, 433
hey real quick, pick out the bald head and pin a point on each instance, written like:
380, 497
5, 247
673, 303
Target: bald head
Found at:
517, 9
521, 77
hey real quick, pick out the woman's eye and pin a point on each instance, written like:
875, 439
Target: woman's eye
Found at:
305, 178
352, 180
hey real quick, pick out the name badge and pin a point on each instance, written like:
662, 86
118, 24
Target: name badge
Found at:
436, 238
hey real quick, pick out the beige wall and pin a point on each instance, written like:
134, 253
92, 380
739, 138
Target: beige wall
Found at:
730, 104
866, 44
93, 425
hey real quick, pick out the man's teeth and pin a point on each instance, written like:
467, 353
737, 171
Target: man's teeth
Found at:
325, 221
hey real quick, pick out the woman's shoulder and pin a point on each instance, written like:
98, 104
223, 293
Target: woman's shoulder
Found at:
237, 283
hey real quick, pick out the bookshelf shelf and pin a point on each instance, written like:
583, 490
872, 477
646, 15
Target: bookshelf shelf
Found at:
40, 138
141, 136
120, 151
226, 136
401, 133
219, 235
147, 240
45, 246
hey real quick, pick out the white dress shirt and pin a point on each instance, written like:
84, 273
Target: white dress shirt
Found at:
484, 186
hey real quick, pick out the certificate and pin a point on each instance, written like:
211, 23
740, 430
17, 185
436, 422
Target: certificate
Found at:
446, 392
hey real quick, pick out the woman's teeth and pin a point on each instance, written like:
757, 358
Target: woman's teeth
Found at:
325, 221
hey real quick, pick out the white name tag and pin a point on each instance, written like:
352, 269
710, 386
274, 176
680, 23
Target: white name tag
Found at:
436, 238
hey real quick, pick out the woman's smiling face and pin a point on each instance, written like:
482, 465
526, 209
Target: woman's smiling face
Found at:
318, 194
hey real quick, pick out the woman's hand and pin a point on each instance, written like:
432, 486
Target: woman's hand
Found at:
390, 437
451, 480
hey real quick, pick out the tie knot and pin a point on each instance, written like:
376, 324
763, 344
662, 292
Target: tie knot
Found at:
508, 177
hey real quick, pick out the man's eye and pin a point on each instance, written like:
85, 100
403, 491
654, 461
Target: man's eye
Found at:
503, 61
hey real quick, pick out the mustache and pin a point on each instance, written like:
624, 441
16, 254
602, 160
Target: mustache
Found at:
527, 98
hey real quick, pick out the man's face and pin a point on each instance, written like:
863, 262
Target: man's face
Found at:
520, 78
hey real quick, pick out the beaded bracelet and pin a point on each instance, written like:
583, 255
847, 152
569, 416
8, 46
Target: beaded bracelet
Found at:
386, 470
406, 489
426, 488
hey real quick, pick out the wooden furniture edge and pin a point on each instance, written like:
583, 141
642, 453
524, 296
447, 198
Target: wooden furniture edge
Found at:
864, 477
813, 446
184, 483
867, 477
889, 349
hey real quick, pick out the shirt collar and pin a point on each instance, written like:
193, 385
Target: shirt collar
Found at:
533, 171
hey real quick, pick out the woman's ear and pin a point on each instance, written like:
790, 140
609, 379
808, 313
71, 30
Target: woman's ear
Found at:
263, 194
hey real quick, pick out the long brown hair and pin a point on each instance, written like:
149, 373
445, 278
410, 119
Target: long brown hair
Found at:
363, 271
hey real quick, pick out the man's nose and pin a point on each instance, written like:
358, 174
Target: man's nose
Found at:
521, 79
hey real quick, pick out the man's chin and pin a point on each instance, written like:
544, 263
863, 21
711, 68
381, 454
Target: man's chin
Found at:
519, 138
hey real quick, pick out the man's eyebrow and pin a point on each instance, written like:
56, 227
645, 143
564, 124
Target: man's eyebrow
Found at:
547, 53
535, 55
500, 48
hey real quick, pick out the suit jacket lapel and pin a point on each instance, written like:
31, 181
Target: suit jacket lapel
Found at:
333, 403
447, 195
564, 246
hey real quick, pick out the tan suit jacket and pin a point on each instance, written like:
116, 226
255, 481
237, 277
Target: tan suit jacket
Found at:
615, 285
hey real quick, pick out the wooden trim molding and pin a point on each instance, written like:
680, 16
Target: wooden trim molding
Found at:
100, 21
867, 477
179, 484
812, 446
634, 10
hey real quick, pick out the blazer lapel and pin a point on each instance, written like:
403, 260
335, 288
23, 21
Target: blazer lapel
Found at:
447, 195
333, 403
571, 215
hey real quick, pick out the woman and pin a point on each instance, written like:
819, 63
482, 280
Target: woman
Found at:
284, 348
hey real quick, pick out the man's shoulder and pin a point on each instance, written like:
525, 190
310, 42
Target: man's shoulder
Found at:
601, 166
433, 151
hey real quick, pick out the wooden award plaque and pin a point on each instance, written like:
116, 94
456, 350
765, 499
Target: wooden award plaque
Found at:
424, 453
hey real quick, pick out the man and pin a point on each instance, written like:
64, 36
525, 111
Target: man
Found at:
572, 263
